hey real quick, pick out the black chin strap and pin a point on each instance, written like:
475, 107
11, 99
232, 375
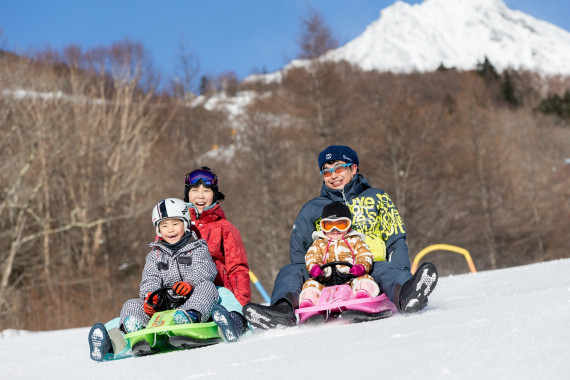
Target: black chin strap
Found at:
180, 243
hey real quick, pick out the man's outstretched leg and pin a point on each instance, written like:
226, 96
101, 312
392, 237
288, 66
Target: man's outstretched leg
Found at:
284, 300
412, 295
282, 314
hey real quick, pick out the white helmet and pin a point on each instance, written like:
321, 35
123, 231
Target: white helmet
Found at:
170, 208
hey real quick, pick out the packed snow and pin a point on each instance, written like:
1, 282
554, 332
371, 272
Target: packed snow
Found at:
505, 324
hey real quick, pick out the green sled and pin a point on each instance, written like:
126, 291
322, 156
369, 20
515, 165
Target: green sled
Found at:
162, 335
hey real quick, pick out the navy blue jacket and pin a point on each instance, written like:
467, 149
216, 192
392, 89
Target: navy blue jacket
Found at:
373, 214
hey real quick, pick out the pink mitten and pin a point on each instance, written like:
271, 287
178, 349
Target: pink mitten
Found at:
316, 271
358, 270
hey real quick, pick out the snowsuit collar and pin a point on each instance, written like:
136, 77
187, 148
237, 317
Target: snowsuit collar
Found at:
173, 249
210, 214
351, 190
213, 214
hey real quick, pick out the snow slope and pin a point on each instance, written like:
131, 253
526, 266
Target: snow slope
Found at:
506, 324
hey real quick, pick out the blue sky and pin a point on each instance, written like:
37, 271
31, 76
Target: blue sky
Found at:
232, 35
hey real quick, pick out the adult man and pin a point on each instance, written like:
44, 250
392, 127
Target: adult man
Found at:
373, 214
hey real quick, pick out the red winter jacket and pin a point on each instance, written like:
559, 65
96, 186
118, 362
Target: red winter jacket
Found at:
227, 250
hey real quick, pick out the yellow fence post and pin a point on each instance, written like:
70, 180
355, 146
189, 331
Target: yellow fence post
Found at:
444, 247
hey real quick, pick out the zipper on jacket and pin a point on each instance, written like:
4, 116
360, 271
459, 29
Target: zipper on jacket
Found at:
343, 197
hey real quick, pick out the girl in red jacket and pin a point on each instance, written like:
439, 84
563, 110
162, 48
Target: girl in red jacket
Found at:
226, 247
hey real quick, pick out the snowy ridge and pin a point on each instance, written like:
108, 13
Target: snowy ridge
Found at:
458, 33
504, 324
455, 33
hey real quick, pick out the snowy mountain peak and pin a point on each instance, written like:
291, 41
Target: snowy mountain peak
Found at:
457, 33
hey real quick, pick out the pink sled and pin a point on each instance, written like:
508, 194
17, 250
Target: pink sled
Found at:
338, 298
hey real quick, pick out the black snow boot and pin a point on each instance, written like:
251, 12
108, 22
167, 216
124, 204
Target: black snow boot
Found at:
231, 325
99, 342
412, 295
282, 314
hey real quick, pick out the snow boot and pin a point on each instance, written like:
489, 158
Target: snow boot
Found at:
309, 297
364, 287
182, 317
282, 314
99, 342
362, 294
412, 295
231, 325
132, 324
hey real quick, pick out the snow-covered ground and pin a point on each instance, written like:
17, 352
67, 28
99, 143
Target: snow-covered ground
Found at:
506, 324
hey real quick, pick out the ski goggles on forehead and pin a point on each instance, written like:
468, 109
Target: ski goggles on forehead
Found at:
341, 224
337, 169
207, 177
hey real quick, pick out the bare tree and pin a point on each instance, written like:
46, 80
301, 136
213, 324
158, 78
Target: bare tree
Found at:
186, 71
318, 87
261, 161
86, 147
315, 38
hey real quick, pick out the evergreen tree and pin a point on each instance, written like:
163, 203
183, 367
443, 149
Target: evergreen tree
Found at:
510, 90
556, 104
487, 70
204, 85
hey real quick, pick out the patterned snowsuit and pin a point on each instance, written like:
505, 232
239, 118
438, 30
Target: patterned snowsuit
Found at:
352, 249
191, 263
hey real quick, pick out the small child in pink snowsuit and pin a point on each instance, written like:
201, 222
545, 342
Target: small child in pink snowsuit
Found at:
336, 241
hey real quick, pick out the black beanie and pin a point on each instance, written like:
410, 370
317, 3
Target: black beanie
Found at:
336, 210
337, 153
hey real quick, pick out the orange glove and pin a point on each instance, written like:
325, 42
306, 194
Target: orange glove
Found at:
182, 288
148, 309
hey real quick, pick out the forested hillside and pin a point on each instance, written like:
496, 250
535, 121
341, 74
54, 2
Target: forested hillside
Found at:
88, 145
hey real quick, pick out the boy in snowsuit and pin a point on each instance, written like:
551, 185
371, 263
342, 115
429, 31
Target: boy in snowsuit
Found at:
336, 241
178, 259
